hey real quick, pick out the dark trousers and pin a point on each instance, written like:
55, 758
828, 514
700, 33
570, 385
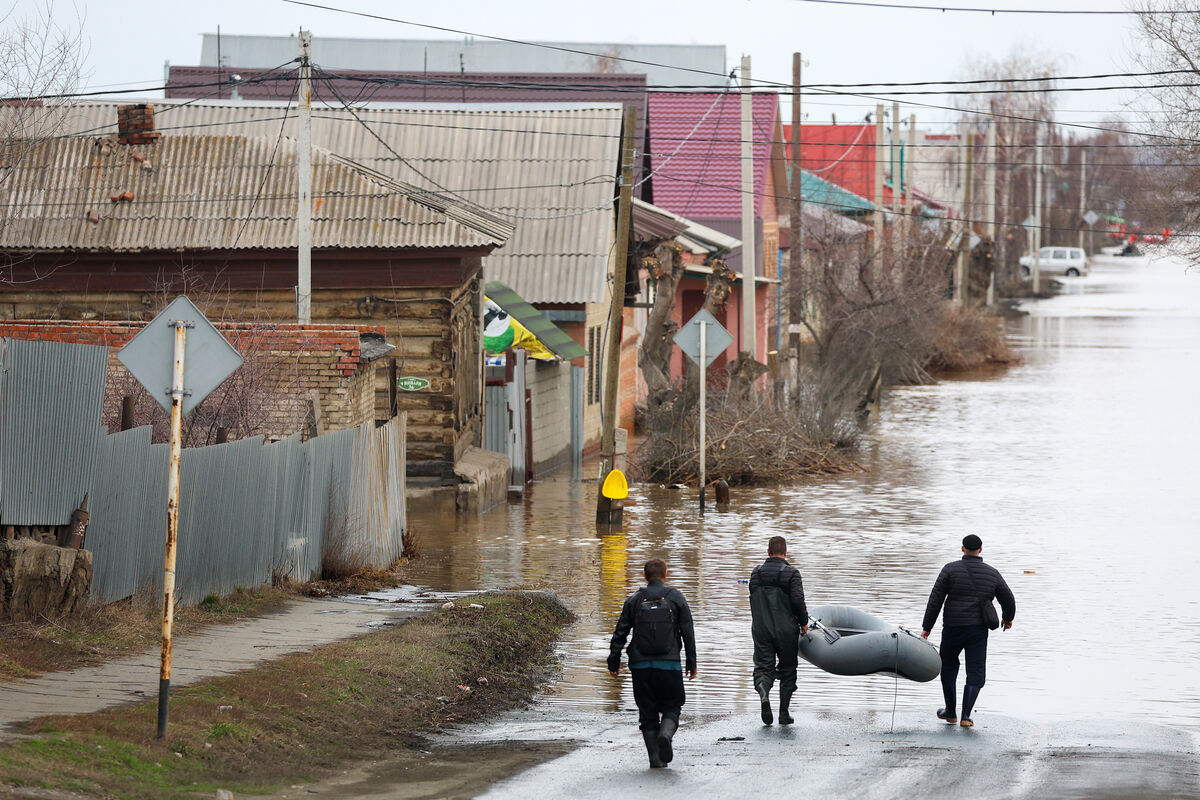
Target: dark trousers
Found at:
955, 639
657, 692
775, 658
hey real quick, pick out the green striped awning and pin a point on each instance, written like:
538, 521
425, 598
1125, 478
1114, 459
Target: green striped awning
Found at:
538, 324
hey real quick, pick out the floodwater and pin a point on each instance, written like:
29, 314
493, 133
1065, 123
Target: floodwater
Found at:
1076, 467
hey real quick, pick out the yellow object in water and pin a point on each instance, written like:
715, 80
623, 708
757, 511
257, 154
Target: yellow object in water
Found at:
615, 487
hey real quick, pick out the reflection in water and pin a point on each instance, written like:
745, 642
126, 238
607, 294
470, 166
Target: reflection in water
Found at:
1077, 468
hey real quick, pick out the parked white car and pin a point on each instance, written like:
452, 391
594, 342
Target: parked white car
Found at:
1069, 261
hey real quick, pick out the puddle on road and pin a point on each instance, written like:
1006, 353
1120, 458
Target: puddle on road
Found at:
1077, 468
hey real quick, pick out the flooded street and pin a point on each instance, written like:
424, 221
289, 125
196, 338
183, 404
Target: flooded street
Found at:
1076, 467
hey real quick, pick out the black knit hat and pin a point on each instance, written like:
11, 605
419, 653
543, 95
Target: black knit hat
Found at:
972, 542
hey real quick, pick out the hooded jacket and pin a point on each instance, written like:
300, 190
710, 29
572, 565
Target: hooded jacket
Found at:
962, 585
777, 600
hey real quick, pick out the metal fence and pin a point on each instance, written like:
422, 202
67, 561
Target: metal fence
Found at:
248, 511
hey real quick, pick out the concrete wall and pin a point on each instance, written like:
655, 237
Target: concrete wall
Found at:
550, 383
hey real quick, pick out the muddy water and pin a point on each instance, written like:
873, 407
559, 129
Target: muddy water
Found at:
1077, 468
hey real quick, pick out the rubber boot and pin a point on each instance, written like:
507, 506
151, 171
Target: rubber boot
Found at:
784, 717
764, 697
665, 734
651, 739
970, 695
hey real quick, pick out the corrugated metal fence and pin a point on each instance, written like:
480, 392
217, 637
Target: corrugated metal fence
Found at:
248, 511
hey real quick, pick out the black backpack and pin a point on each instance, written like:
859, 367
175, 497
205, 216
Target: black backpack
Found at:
654, 629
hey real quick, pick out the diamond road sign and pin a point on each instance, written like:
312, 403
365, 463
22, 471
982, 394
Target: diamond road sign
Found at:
208, 359
1091, 217
715, 341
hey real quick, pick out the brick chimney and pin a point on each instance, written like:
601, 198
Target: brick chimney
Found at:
135, 124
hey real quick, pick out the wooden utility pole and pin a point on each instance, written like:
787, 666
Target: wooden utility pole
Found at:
1037, 212
749, 322
878, 180
909, 222
304, 180
606, 510
989, 197
1082, 193
797, 287
961, 293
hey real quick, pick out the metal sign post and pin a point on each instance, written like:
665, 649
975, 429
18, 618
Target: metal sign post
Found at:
702, 338
703, 397
148, 359
177, 394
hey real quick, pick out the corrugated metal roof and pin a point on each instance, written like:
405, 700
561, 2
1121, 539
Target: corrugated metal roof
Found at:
820, 192
218, 192
704, 178
554, 163
476, 55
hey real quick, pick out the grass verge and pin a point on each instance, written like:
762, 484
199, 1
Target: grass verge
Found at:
98, 633
296, 718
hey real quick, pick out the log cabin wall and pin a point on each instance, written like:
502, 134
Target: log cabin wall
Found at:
426, 303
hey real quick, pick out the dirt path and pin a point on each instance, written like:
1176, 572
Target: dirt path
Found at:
219, 650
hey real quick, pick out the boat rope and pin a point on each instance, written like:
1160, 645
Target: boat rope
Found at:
895, 683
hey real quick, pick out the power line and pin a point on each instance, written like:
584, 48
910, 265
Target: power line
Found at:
994, 11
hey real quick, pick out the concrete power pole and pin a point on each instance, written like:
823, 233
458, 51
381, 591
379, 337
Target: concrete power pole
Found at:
304, 181
878, 182
749, 323
606, 510
897, 181
961, 294
797, 286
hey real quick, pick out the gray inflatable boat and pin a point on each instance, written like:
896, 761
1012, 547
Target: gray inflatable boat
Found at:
845, 640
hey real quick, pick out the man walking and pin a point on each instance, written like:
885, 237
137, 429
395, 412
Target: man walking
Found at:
778, 617
661, 623
966, 587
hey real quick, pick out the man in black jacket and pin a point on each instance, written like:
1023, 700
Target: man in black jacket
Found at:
965, 586
661, 622
778, 617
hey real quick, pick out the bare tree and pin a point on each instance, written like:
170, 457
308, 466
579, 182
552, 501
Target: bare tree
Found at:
1171, 38
1017, 114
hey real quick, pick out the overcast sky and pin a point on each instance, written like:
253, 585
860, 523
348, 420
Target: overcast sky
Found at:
129, 40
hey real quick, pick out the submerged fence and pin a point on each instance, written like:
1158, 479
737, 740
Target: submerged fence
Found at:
248, 511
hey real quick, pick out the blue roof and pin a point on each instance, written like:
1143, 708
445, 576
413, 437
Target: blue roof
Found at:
821, 192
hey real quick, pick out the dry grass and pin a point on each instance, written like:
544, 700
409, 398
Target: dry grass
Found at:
967, 339
359, 581
302, 715
97, 633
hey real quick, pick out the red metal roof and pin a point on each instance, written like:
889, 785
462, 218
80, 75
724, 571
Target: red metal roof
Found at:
704, 179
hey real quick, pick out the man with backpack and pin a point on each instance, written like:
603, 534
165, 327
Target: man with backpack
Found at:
967, 587
778, 617
661, 622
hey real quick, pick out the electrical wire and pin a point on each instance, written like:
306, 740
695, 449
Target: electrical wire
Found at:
995, 11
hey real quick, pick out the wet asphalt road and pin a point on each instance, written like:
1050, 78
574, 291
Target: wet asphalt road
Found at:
835, 754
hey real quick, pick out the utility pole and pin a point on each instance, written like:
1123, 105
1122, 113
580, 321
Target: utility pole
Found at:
989, 197
878, 180
606, 510
304, 188
1082, 193
749, 323
1037, 212
797, 286
961, 294
897, 179
908, 170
